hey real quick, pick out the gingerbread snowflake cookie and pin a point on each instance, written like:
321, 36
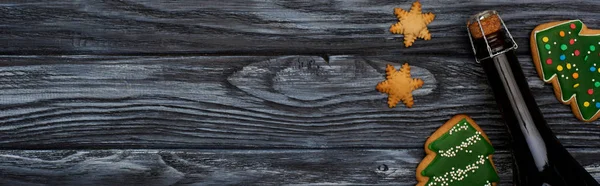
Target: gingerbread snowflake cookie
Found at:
399, 85
413, 24
567, 54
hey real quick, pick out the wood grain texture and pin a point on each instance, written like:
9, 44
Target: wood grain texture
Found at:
264, 107
231, 167
249, 102
255, 27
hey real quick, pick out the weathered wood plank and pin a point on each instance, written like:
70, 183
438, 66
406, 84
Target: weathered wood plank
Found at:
231, 167
254, 27
248, 102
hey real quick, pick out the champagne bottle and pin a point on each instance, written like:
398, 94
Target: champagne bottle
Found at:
539, 158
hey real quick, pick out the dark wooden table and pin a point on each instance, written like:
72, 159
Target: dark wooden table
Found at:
249, 92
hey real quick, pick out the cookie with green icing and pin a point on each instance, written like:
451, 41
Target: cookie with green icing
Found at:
458, 153
567, 54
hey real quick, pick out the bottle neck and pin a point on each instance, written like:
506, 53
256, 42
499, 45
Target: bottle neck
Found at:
496, 41
517, 101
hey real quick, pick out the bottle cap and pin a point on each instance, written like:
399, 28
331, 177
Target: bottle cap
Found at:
482, 25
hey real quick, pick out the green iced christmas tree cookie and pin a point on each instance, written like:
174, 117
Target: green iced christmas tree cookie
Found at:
458, 153
566, 54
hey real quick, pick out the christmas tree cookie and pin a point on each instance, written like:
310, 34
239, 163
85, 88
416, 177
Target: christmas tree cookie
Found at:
458, 153
566, 54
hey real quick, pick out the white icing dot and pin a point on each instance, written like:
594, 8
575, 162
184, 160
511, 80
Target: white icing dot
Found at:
572, 54
555, 43
569, 32
567, 78
574, 65
549, 52
575, 40
562, 75
576, 69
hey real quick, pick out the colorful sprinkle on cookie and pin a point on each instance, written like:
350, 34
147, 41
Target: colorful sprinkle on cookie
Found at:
413, 24
569, 64
399, 85
458, 153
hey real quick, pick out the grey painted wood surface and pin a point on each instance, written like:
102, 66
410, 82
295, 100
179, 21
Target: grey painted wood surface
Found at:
249, 102
254, 27
232, 167
245, 82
